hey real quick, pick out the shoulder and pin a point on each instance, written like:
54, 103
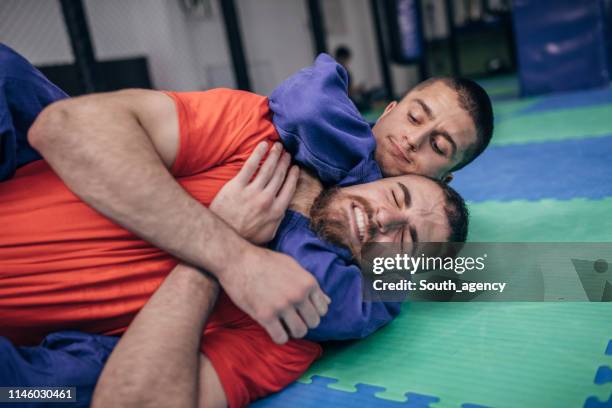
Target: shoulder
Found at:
220, 103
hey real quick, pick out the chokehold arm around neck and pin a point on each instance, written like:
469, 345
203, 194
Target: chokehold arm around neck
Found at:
113, 150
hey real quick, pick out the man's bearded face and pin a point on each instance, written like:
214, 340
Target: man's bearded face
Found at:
333, 225
402, 210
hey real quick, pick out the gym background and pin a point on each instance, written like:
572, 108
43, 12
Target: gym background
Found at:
545, 178
92, 45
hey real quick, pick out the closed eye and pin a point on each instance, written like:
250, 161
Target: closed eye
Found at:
407, 196
412, 119
395, 199
436, 148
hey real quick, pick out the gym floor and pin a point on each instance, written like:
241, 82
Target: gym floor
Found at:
546, 178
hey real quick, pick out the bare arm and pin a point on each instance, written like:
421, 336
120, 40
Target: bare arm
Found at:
157, 362
114, 150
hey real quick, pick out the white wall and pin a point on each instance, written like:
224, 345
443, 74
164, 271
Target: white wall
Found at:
210, 50
187, 52
350, 23
36, 29
111, 23
153, 28
277, 39
184, 52
168, 44
120, 28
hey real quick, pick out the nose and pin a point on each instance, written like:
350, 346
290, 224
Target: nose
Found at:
414, 139
388, 219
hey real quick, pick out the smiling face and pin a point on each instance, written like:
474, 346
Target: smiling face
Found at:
427, 133
401, 210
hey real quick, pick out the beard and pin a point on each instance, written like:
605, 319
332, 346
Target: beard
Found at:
332, 224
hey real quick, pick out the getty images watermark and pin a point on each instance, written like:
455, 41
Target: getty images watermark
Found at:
413, 264
487, 272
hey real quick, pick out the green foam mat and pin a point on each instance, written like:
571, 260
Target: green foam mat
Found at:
577, 220
555, 125
503, 109
501, 86
492, 354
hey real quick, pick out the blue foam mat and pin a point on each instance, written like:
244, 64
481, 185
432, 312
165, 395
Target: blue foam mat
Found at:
571, 100
318, 395
593, 402
559, 169
603, 375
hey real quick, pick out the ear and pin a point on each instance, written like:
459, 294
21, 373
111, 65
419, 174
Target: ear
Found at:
388, 109
448, 178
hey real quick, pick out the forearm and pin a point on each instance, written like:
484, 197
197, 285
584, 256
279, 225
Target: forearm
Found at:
114, 151
157, 361
102, 152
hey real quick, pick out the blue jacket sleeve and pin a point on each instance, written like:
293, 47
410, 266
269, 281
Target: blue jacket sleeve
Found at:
348, 317
24, 92
321, 127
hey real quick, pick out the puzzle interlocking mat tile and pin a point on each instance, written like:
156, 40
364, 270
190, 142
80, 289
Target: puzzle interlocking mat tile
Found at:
547, 177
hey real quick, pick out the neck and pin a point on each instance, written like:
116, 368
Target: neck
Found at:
307, 190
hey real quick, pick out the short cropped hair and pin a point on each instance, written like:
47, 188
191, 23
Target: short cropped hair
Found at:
476, 102
456, 212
